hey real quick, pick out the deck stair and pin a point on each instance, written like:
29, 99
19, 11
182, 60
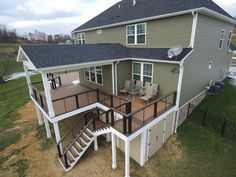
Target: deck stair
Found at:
76, 149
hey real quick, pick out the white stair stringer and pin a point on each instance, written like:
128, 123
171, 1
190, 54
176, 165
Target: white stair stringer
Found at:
80, 154
102, 131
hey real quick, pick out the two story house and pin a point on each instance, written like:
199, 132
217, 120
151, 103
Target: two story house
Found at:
130, 41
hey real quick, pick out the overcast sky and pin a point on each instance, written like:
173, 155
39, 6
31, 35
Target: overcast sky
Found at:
61, 16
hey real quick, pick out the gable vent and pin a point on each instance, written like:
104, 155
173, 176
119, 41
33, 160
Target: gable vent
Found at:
134, 2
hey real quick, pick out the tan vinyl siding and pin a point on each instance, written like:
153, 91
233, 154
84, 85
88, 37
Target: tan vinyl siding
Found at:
135, 148
124, 72
162, 33
166, 75
196, 73
107, 80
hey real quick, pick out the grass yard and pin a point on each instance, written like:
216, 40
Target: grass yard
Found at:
224, 103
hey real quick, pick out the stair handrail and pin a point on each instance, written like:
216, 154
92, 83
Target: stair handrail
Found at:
67, 133
78, 136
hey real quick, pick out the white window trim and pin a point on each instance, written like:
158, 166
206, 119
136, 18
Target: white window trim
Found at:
136, 35
229, 39
95, 72
141, 71
223, 30
79, 39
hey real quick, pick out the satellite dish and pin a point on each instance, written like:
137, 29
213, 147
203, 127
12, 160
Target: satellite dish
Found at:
174, 51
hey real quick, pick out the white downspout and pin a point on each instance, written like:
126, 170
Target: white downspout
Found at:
116, 91
181, 73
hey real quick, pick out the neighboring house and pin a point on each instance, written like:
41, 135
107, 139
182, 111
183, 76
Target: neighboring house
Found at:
130, 40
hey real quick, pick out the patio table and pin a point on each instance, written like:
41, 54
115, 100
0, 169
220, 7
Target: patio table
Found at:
134, 91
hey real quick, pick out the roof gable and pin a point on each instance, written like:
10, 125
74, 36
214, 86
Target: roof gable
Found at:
125, 11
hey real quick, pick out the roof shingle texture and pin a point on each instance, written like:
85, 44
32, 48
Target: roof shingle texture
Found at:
45, 56
147, 8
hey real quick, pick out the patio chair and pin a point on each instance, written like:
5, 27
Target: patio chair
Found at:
155, 90
138, 84
132, 82
126, 87
148, 94
145, 86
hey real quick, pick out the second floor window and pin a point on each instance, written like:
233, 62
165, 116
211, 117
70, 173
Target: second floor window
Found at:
229, 39
81, 38
222, 35
94, 74
136, 34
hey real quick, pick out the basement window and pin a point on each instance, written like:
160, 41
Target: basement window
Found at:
222, 35
94, 74
136, 34
229, 39
81, 38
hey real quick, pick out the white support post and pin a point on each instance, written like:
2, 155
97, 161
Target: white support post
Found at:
57, 134
47, 127
28, 79
47, 91
39, 115
143, 148
95, 143
113, 78
127, 159
113, 143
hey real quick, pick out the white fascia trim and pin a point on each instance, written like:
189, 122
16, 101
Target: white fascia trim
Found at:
194, 29
216, 15
100, 63
151, 124
203, 9
44, 113
18, 58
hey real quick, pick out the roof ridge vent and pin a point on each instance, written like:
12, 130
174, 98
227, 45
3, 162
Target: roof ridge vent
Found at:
134, 2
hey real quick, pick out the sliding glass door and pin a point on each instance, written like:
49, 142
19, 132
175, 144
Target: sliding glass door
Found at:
142, 71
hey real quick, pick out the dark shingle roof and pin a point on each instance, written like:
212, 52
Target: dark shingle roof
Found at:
45, 56
147, 8
232, 47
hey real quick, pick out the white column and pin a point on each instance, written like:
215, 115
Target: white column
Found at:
39, 115
95, 143
47, 91
113, 79
127, 159
28, 79
57, 133
47, 127
113, 144
143, 148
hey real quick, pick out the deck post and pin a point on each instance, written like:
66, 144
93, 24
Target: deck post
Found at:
47, 127
143, 148
127, 158
39, 115
57, 134
95, 143
28, 79
48, 96
113, 142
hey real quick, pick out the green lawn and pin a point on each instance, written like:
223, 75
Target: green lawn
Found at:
224, 103
8, 110
207, 153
